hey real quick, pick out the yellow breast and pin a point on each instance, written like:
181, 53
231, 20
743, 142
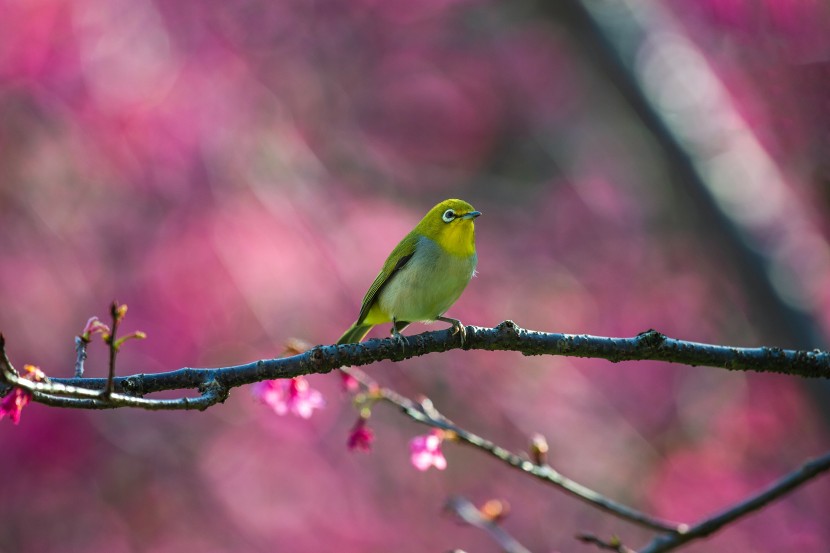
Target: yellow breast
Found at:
458, 239
427, 286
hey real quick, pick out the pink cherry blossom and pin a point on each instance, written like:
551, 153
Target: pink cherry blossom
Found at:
350, 383
294, 396
361, 436
426, 451
93, 326
14, 403
18, 398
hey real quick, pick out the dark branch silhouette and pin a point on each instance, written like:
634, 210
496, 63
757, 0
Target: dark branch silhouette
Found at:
672, 535
426, 413
214, 385
712, 524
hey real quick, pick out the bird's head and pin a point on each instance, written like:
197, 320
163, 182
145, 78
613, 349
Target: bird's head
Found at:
450, 225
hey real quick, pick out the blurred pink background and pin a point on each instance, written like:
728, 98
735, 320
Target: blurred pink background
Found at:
236, 172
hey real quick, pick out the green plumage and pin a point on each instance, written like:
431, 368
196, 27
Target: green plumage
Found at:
425, 273
355, 334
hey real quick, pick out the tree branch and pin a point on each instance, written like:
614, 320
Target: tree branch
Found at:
470, 514
673, 536
428, 415
613, 544
710, 525
214, 385
80, 356
129, 391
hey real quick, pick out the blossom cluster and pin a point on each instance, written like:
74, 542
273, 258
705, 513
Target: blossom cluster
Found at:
14, 402
297, 397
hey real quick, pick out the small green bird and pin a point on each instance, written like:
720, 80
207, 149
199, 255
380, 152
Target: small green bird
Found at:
424, 275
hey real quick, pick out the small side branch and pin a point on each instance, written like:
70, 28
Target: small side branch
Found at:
110, 339
57, 394
712, 524
80, 356
470, 514
6, 369
545, 473
613, 544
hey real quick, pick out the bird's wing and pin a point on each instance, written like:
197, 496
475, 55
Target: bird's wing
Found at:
399, 257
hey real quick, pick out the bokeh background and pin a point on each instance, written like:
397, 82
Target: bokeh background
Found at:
236, 172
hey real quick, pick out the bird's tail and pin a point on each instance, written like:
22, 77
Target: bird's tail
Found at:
355, 334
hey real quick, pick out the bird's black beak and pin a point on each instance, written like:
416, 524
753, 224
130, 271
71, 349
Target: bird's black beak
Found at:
471, 215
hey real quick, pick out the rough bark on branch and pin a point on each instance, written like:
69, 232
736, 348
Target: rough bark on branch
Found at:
215, 384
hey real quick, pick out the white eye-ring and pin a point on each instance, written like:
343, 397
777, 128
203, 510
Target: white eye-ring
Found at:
448, 215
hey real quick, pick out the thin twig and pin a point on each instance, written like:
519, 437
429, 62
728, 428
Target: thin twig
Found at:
7, 371
80, 356
545, 473
211, 396
710, 525
470, 514
116, 314
427, 414
674, 535
57, 394
6, 366
507, 336
613, 545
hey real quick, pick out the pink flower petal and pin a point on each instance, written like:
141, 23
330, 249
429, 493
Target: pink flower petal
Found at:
439, 461
13, 404
425, 451
422, 460
295, 396
361, 436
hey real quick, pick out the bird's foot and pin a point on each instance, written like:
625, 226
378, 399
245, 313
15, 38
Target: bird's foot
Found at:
457, 328
399, 338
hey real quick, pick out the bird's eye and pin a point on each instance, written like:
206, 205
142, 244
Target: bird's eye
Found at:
448, 215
